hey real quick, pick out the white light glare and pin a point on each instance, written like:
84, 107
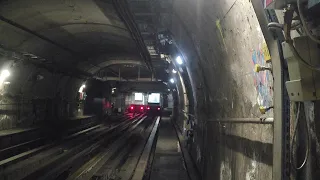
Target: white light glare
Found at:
179, 60
81, 88
172, 80
174, 71
4, 74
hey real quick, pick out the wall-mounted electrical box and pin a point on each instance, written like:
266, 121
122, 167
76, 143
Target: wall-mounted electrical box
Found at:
304, 84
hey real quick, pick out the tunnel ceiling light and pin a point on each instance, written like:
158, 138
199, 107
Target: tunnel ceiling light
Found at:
172, 80
174, 71
179, 60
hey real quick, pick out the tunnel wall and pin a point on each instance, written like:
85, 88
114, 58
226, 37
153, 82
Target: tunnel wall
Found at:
221, 42
36, 96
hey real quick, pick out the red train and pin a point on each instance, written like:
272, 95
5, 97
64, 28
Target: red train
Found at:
150, 109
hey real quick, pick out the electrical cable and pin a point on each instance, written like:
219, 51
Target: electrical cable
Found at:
275, 25
297, 55
292, 141
287, 28
124, 13
304, 24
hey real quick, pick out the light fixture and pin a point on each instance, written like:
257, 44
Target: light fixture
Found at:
172, 80
179, 60
174, 71
168, 89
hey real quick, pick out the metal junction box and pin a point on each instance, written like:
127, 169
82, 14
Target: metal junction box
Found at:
304, 84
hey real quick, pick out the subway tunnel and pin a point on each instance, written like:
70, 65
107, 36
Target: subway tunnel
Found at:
158, 89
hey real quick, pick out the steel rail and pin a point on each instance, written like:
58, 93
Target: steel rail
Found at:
92, 167
144, 159
59, 164
51, 150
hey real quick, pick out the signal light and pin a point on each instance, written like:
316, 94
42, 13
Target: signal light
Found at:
131, 107
141, 108
148, 108
158, 108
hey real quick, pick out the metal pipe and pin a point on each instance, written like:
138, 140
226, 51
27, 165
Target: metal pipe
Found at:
244, 120
279, 165
260, 120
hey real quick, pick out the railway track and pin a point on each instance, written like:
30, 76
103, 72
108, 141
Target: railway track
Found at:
98, 152
22, 164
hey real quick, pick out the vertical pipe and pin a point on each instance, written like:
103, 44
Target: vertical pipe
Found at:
278, 140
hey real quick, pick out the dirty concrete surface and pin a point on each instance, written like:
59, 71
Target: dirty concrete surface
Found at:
168, 161
221, 42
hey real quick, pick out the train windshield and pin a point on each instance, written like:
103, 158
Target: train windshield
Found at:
154, 98
138, 96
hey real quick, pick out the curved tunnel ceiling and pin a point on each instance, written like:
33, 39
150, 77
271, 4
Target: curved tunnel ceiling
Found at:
71, 33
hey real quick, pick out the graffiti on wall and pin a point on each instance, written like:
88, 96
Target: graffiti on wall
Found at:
263, 80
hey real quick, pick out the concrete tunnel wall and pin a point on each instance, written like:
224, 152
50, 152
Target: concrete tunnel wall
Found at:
36, 96
221, 41
29, 100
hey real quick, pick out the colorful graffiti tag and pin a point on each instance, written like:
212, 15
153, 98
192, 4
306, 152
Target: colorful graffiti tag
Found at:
263, 80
